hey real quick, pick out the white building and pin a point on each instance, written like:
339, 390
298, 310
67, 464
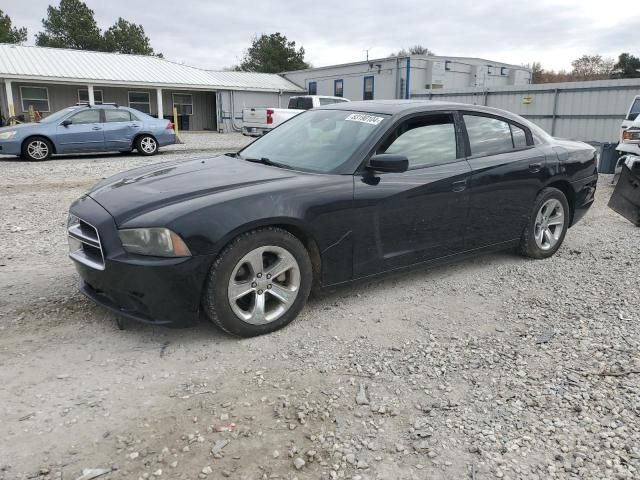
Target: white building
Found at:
400, 77
49, 79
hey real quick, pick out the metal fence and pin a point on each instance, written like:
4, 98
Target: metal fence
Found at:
587, 111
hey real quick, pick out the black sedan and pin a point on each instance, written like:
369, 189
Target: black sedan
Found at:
335, 194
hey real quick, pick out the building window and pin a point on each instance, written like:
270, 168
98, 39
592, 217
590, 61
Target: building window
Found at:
313, 88
368, 88
36, 97
183, 103
83, 96
338, 88
140, 101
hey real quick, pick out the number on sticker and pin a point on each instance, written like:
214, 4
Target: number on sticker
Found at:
361, 117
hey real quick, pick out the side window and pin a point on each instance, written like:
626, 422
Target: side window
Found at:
86, 116
112, 116
488, 136
635, 109
425, 141
519, 136
327, 101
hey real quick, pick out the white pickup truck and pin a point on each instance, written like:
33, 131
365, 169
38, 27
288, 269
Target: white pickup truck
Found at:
259, 120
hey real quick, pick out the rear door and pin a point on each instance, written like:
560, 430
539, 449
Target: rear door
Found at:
84, 133
420, 214
120, 128
507, 172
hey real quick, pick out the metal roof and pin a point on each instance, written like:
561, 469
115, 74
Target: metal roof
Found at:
82, 66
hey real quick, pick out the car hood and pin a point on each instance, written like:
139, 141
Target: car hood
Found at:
138, 191
19, 127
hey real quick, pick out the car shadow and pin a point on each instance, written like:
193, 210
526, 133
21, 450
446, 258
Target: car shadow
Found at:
71, 156
375, 287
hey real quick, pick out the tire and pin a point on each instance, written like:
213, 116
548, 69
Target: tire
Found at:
146, 145
233, 271
546, 229
36, 149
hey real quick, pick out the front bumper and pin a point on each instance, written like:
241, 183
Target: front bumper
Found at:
10, 147
161, 291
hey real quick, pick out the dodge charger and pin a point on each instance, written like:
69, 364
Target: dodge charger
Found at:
334, 195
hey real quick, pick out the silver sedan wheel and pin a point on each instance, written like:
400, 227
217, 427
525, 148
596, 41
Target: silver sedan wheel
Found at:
38, 150
264, 284
148, 145
549, 224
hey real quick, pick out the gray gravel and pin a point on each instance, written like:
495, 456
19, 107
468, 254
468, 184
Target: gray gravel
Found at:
495, 367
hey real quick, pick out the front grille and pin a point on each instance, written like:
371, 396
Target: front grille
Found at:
84, 243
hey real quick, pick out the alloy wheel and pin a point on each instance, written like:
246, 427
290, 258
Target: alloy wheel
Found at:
549, 224
38, 150
264, 284
148, 144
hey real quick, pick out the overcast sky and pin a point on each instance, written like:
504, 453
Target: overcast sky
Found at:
214, 33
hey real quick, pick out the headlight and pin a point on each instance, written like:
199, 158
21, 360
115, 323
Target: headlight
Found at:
631, 135
8, 135
157, 242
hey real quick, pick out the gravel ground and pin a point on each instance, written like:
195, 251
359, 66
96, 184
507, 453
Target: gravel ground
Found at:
494, 367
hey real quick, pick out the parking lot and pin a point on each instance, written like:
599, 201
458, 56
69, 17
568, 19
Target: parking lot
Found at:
495, 367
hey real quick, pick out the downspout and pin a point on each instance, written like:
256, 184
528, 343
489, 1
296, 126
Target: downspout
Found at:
398, 93
233, 113
408, 77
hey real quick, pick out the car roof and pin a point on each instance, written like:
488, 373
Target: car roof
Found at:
402, 107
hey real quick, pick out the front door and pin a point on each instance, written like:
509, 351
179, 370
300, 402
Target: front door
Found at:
420, 214
84, 133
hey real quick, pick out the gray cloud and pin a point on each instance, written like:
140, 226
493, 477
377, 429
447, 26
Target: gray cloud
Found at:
214, 34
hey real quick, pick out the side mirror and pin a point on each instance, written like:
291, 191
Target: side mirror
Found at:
632, 116
66, 123
389, 163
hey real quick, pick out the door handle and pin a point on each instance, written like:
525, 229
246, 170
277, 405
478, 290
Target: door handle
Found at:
459, 186
133, 125
535, 167
96, 128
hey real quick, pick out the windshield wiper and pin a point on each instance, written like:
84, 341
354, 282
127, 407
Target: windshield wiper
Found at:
264, 161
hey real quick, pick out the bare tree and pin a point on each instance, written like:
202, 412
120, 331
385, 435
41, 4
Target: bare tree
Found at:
414, 50
592, 67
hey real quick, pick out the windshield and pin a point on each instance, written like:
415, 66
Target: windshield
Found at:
316, 141
58, 115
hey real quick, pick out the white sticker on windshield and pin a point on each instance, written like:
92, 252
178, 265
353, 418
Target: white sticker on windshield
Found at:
361, 117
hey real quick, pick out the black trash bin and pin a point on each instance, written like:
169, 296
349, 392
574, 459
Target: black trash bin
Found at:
608, 158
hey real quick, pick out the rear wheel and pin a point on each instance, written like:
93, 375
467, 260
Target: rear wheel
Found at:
259, 283
547, 224
146, 145
37, 149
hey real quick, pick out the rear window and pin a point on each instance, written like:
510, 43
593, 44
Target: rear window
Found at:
117, 116
301, 103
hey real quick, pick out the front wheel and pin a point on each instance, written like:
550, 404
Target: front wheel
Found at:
146, 145
259, 283
547, 224
37, 149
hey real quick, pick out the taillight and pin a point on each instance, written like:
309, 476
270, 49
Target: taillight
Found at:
170, 126
269, 116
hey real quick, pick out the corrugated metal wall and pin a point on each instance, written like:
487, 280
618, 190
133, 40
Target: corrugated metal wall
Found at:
587, 111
